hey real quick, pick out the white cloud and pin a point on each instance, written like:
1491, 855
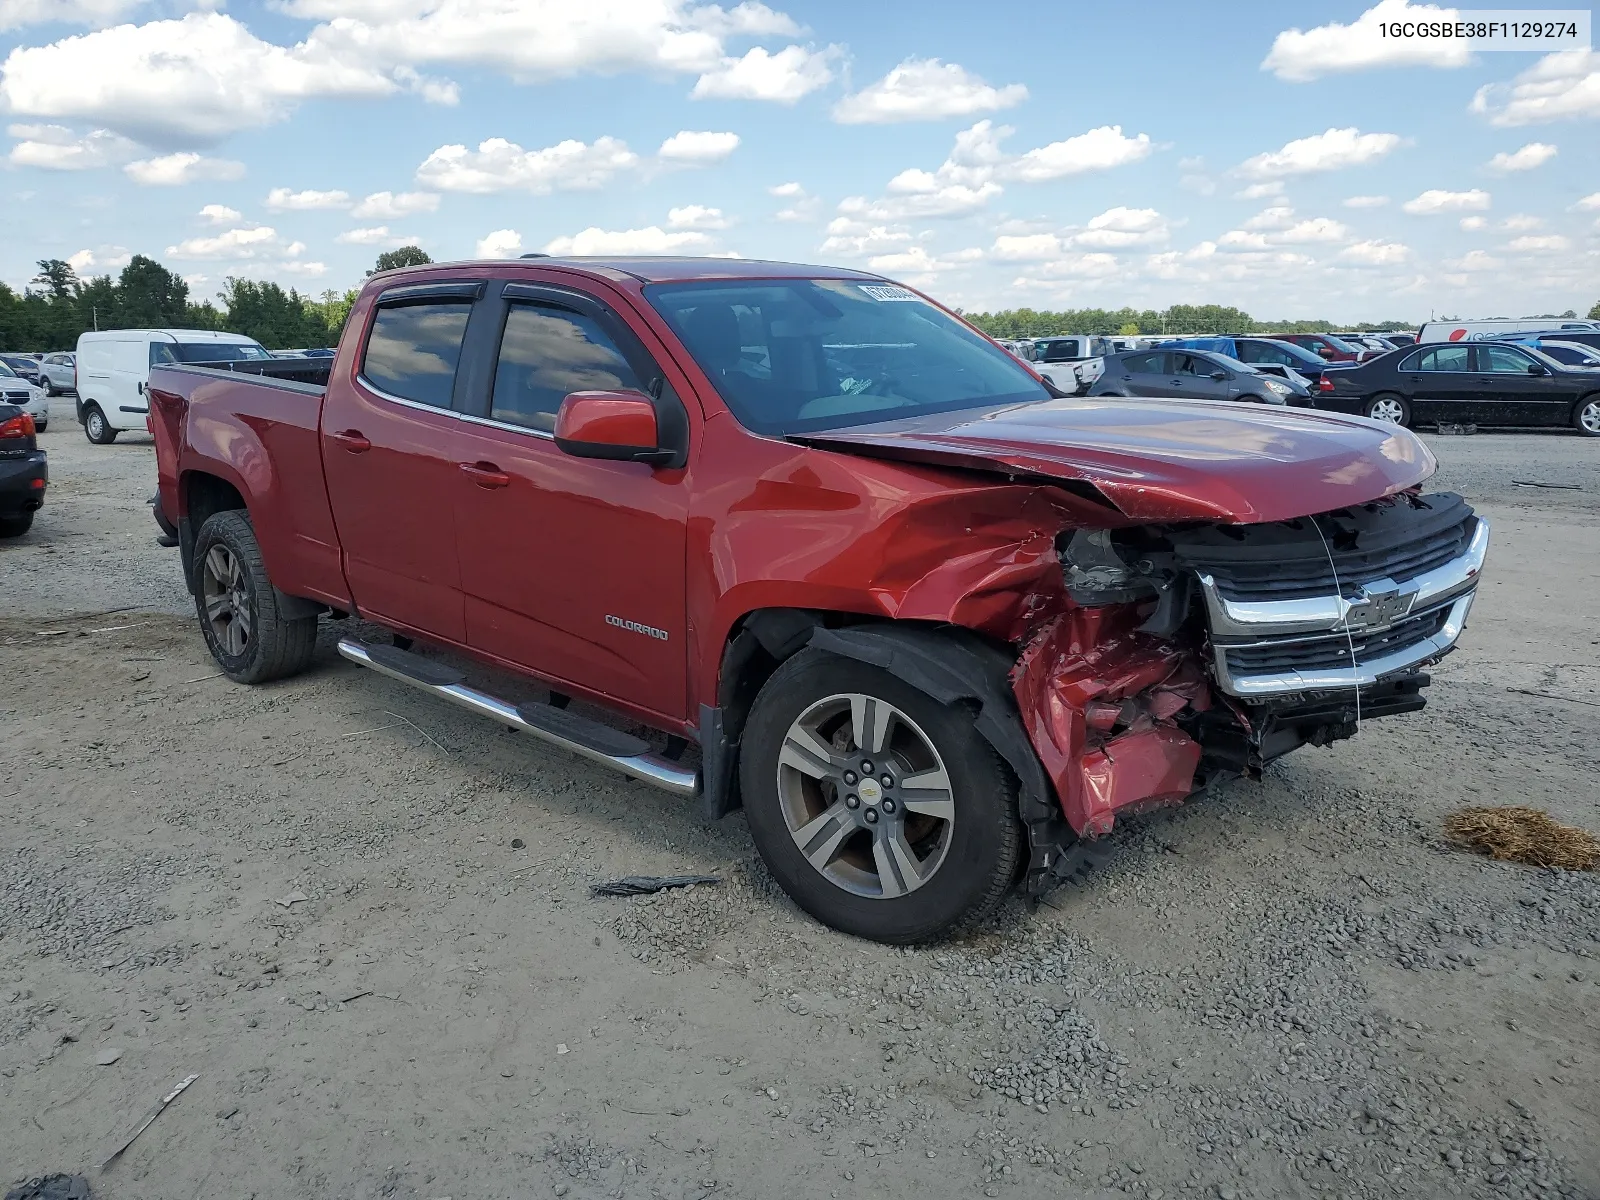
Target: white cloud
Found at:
1534, 154
1543, 244
917, 261
57, 148
1520, 222
925, 89
650, 240
14, 14
697, 216
221, 214
1375, 253
1437, 200
241, 243
786, 190
1121, 227
502, 243
173, 170
281, 199
782, 78
1475, 260
1261, 191
1277, 217
1027, 247
498, 165
389, 206
697, 148
857, 239
376, 235
107, 258
1314, 229
1560, 86
1589, 203
1302, 55
310, 269
1473, 224
196, 79
1328, 151
1098, 150
1366, 201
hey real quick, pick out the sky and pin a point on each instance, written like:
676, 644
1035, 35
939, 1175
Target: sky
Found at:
1049, 156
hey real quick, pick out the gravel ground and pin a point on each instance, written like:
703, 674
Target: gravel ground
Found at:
1286, 989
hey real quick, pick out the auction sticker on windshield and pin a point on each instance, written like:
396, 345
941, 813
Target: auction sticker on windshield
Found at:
889, 291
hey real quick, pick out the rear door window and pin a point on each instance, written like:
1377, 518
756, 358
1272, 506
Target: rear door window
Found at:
547, 352
1444, 358
1150, 363
414, 349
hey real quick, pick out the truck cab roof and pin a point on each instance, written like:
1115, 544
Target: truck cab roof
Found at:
662, 269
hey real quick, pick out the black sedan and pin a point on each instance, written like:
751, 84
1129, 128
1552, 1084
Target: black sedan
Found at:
24, 473
1194, 375
1481, 383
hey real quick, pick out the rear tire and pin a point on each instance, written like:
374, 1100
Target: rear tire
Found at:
238, 606
1388, 407
16, 526
96, 428
1586, 416
925, 841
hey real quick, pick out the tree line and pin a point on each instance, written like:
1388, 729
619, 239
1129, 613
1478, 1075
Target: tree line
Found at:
57, 306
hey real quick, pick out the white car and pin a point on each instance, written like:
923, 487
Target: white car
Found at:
59, 372
1073, 364
14, 389
114, 366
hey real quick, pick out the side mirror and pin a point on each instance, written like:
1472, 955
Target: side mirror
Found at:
1537, 369
1325, 352
1219, 376
614, 425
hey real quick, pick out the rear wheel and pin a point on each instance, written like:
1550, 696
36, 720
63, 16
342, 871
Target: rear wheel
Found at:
16, 525
96, 428
1389, 407
1586, 416
881, 812
238, 606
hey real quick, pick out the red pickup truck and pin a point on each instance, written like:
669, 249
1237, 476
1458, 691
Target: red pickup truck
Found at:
800, 540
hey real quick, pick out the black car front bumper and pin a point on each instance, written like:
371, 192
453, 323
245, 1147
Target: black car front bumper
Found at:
22, 483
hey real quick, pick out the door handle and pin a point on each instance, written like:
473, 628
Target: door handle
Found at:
486, 475
351, 440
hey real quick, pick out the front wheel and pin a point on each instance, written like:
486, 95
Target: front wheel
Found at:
238, 606
96, 428
880, 811
1586, 417
1389, 408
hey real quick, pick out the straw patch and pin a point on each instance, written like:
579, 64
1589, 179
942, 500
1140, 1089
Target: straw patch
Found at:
1524, 835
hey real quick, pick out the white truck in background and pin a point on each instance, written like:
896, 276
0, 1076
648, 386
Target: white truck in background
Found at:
1072, 362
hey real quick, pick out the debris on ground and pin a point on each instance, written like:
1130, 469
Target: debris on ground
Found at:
295, 897
1524, 835
52, 1187
644, 885
1463, 429
161, 1107
1534, 483
108, 1056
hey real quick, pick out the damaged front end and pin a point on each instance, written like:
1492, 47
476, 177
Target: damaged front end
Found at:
1181, 653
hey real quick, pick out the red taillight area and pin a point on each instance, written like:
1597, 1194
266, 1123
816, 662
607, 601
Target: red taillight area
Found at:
36, 484
1324, 384
18, 427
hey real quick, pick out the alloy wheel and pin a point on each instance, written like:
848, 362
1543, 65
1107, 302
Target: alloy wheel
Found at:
1387, 409
1589, 417
866, 796
225, 590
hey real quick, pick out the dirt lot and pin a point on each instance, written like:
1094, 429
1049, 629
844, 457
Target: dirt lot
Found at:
1285, 989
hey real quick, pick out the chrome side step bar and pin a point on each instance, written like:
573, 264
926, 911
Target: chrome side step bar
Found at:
588, 739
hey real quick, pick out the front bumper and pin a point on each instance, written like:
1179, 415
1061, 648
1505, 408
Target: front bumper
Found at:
23, 482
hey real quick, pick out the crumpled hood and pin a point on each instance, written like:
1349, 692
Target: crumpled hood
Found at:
1165, 460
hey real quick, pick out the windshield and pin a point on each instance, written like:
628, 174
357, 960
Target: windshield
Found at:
204, 352
792, 355
1342, 346
6, 372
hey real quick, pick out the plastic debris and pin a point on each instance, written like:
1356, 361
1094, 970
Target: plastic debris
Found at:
161, 1107
295, 897
643, 885
52, 1187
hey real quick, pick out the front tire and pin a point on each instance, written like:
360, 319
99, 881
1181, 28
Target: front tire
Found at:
238, 606
1586, 416
919, 842
1389, 408
96, 428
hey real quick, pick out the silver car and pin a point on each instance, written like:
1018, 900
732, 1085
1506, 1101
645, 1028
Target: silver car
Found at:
16, 390
59, 372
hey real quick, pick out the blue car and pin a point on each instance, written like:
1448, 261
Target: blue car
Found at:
1268, 355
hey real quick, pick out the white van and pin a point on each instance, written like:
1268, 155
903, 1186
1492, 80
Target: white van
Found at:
1479, 331
114, 366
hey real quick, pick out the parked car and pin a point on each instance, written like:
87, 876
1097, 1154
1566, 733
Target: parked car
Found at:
1327, 347
114, 365
815, 523
60, 372
1267, 355
1482, 383
24, 366
1400, 338
24, 471
1194, 375
1570, 336
1479, 331
1567, 353
14, 389
1071, 363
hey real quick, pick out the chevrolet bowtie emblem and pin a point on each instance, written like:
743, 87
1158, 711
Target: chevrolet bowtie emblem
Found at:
1379, 605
